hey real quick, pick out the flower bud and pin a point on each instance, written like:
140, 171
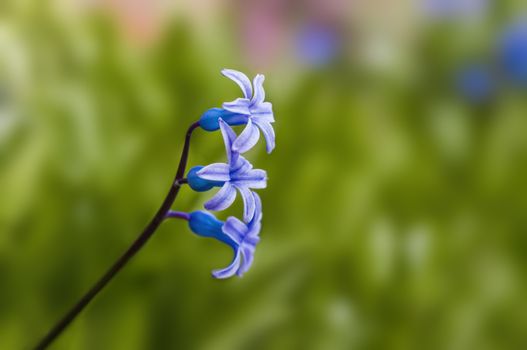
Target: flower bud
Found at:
205, 224
210, 119
198, 184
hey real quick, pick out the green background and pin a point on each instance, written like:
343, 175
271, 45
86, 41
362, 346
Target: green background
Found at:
395, 215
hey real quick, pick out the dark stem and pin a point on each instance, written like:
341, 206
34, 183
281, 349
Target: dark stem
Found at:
132, 250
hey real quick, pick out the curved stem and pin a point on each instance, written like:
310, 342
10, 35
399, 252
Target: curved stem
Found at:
178, 215
148, 231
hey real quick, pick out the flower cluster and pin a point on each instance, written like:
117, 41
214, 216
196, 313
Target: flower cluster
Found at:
481, 82
235, 176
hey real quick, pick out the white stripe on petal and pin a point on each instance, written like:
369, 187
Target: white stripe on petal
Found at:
223, 199
229, 270
247, 139
235, 229
259, 92
215, 172
248, 257
240, 106
263, 118
268, 132
241, 79
248, 202
228, 138
262, 108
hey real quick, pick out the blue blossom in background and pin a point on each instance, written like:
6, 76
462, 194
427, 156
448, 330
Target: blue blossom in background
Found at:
453, 8
513, 52
318, 44
476, 83
236, 175
251, 110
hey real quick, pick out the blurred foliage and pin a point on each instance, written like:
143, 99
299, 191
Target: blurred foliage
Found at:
395, 215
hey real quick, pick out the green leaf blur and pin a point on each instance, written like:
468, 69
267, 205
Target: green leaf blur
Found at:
395, 215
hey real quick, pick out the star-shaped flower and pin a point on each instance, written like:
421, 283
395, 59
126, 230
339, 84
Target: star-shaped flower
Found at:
246, 237
259, 114
241, 237
236, 175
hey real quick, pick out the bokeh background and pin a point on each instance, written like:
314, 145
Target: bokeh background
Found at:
396, 210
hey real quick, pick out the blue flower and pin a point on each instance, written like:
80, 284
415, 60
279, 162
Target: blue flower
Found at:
318, 44
250, 110
454, 8
476, 83
246, 237
259, 113
513, 52
241, 237
236, 175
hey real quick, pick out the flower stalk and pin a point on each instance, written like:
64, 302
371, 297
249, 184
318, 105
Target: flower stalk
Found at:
148, 232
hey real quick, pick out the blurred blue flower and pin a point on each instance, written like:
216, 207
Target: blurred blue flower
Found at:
513, 52
318, 44
453, 8
236, 175
476, 83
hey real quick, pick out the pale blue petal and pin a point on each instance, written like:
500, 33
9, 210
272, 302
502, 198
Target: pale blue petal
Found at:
239, 106
259, 92
229, 270
255, 225
241, 166
215, 172
269, 135
257, 209
248, 202
253, 239
254, 178
262, 108
241, 79
248, 257
247, 139
263, 118
223, 199
228, 138
235, 229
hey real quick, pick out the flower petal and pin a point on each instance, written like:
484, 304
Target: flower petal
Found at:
229, 270
241, 166
228, 138
215, 172
262, 108
248, 202
240, 106
235, 229
259, 92
269, 135
223, 199
241, 79
247, 253
247, 139
254, 178
263, 118
257, 209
